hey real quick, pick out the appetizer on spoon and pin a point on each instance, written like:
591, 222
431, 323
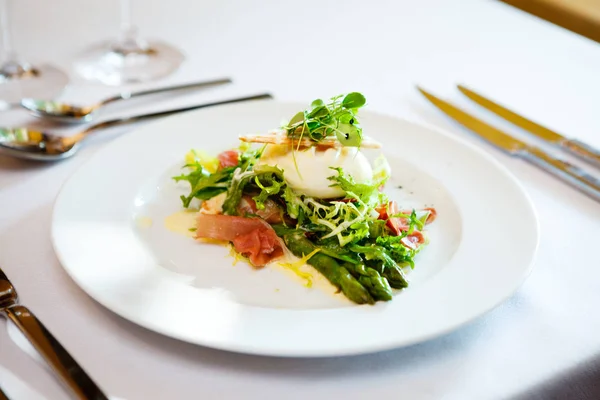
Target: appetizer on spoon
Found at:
42, 146
65, 112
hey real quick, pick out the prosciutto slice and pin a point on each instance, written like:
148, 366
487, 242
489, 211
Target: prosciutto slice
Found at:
397, 225
229, 158
271, 213
413, 240
251, 237
400, 225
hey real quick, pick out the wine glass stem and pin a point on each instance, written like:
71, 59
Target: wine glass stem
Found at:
129, 41
7, 53
128, 31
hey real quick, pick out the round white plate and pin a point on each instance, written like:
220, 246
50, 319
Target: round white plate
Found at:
109, 233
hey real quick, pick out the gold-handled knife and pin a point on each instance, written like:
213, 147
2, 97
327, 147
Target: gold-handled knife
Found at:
569, 173
573, 146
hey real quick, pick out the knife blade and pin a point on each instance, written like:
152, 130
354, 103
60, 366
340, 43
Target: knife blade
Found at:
573, 146
569, 173
493, 135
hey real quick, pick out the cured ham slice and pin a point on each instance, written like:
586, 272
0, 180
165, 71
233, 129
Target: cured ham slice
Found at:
400, 225
229, 158
396, 225
413, 240
432, 215
251, 237
271, 213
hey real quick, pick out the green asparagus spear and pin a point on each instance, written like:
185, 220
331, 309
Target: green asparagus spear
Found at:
339, 276
393, 274
377, 286
378, 259
351, 288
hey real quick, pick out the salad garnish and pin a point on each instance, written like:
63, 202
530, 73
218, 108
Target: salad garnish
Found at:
313, 193
322, 121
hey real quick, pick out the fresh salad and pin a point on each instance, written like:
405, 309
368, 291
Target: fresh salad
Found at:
308, 188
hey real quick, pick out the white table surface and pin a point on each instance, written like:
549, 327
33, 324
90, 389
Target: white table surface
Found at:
303, 50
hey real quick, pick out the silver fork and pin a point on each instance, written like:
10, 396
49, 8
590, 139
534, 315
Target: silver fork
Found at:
69, 372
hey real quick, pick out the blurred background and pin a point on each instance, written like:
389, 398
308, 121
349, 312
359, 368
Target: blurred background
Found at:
581, 16
285, 45
299, 50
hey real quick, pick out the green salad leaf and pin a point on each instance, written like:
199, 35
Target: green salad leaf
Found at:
367, 193
335, 119
268, 179
204, 185
354, 100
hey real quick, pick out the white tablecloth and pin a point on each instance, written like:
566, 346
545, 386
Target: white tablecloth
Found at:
303, 50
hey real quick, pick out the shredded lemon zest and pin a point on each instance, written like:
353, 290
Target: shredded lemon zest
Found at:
295, 268
211, 241
235, 255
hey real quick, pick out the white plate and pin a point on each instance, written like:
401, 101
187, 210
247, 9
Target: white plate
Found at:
482, 244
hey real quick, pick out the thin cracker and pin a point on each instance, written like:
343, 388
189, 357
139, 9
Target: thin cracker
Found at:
285, 140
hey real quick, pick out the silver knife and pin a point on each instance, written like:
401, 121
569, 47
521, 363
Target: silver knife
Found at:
3, 395
567, 172
573, 146
71, 374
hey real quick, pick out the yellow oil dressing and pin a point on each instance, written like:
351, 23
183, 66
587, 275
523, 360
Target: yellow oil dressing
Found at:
182, 222
237, 257
299, 268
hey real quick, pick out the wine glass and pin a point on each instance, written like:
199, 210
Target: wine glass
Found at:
129, 59
20, 79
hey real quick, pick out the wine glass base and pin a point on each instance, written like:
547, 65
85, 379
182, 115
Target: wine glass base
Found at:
113, 66
40, 82
17, 70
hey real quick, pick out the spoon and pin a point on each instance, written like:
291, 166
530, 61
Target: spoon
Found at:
37, 145
69, 113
